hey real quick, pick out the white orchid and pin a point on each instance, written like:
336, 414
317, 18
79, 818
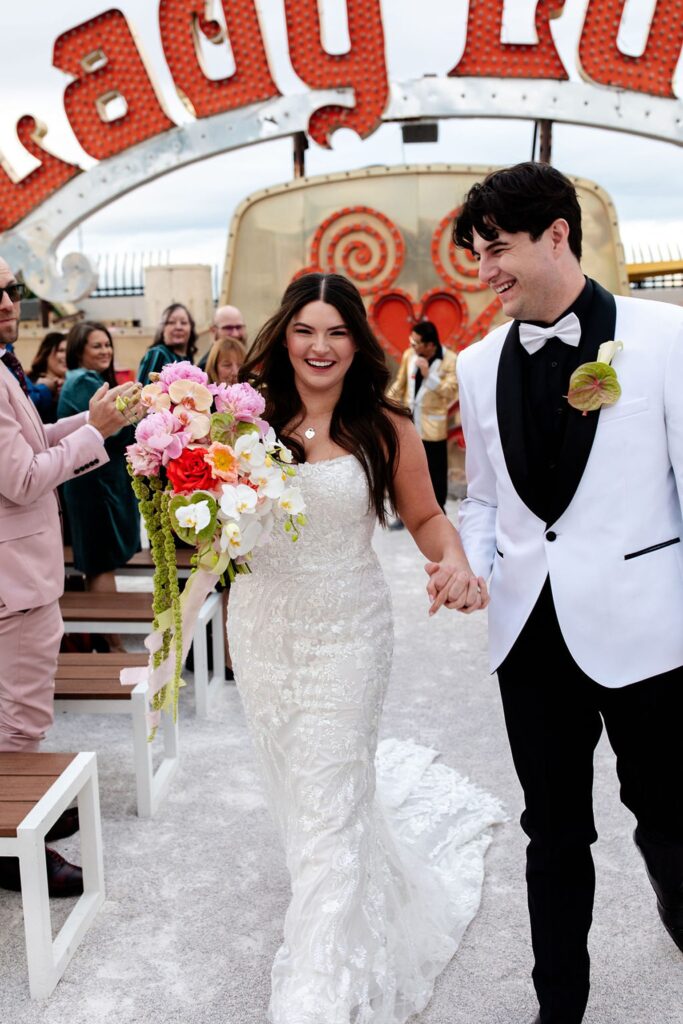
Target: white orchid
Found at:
291, 501
238, 500
250, 451
238, 539
269, 479
194, 516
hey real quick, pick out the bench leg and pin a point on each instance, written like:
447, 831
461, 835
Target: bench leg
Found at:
46, 958
205, 686
152, 786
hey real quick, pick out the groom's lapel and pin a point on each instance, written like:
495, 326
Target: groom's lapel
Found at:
597, 325
510, 413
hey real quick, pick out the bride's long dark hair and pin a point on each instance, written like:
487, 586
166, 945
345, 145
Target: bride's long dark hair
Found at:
360, 422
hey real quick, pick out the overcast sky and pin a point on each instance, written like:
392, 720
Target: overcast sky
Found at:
186, 214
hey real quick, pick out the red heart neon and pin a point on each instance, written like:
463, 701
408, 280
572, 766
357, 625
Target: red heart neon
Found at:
393, 316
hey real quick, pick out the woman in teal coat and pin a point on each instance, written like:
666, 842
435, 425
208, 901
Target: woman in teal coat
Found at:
100, 506
175, 340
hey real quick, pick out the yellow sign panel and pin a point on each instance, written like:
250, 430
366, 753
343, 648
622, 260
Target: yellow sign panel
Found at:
389, 230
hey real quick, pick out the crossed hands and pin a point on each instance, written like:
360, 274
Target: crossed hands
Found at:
455, 586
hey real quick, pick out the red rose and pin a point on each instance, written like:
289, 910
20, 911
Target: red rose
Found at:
191, 472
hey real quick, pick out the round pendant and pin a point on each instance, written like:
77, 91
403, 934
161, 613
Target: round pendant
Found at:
310, 433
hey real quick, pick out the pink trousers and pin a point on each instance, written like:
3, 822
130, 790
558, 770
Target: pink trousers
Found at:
29, 646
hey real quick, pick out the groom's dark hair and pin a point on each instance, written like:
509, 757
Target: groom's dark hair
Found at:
527, 197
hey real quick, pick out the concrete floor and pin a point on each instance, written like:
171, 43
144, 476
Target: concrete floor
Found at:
195, 898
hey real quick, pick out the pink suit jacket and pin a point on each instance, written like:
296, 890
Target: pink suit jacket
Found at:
34, 459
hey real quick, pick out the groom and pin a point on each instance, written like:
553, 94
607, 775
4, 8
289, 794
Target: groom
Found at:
577, 520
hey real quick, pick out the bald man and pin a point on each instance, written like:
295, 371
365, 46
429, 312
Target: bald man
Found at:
228, 322
34, 459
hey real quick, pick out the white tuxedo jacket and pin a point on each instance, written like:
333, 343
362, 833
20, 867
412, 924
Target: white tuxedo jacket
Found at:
613, 545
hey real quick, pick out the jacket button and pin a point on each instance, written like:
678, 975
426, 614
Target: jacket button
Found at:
551, 535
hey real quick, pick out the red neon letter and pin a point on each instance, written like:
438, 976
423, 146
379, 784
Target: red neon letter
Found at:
603, 62
17, 199
485, 55
363, 67
181, 21
102, 54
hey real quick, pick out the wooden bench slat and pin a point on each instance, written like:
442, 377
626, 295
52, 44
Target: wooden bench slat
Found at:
140, 560
131, 659
11, 816
17, 788
86, 689
91, 671
19, 763
120, 607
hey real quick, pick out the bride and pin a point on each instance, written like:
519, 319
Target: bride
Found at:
385, 852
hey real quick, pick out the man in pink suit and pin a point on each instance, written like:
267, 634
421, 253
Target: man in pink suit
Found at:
34, 459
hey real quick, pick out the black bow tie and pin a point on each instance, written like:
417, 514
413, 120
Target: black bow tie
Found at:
16, 369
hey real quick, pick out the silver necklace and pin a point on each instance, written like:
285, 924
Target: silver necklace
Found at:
309, 433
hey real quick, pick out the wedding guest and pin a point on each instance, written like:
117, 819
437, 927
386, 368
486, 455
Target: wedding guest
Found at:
426, 384
175, 340
224, 360
33, 460
228, 322
576, 515
102, 509
47, 373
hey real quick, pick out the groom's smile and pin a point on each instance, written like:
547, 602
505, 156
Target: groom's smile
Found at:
524, 272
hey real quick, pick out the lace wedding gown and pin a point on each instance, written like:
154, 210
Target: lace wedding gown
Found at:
385, 848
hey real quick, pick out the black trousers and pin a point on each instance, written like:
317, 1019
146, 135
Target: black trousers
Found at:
437, 460
554, 715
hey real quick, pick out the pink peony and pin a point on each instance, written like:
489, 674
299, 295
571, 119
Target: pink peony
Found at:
181, 371
163, 434
143, 461
245, 404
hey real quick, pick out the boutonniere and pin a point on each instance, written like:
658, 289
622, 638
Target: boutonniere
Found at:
593, 385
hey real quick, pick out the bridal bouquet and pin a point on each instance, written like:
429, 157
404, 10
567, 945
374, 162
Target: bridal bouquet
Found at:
206, 467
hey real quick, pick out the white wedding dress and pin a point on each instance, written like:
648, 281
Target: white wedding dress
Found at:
385, 848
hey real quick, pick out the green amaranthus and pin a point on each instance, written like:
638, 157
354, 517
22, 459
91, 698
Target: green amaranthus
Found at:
154, 502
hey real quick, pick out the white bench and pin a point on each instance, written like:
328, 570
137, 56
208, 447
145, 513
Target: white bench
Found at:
131, 612
89, 683
36, 789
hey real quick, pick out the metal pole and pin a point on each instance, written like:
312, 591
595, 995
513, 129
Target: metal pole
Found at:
300, 146
546, 141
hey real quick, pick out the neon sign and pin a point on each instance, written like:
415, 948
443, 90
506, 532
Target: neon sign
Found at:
115, 107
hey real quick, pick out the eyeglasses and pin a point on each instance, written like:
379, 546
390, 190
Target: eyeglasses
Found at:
230, 328
16, 291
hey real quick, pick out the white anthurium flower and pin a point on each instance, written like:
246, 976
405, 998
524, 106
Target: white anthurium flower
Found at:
292, 501
194, 517
250, 451
238, 500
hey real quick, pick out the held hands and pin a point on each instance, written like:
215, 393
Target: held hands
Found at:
105, 407
456, 586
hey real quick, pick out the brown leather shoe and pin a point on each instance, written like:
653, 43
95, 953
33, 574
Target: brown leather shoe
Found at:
65, 825
63, 879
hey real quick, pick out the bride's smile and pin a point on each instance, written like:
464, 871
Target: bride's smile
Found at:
320, 347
